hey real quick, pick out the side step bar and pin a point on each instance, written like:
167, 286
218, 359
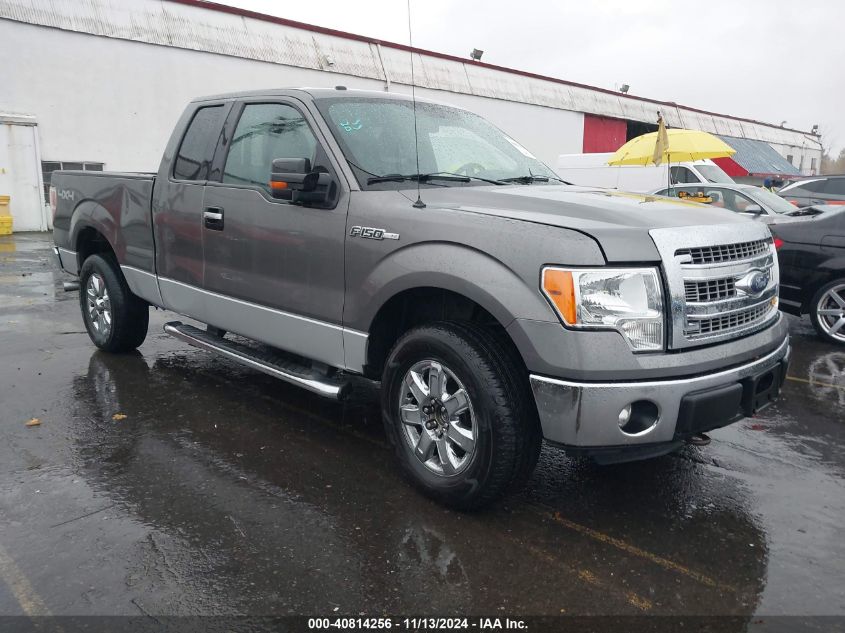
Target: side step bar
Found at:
274, 365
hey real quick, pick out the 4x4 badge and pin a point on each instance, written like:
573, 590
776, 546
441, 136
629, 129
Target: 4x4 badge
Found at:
371, 233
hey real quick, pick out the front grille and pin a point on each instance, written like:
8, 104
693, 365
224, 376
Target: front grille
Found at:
725, 252
739, 319
709, 273
710, 290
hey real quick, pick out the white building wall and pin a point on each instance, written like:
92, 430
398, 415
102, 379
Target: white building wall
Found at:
116, 101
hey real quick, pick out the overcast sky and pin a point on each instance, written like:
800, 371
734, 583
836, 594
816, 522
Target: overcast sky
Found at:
771, 60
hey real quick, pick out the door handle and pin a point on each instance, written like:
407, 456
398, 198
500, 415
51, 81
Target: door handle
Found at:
212, 218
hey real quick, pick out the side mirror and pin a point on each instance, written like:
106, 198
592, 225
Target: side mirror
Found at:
292, 179
754, 209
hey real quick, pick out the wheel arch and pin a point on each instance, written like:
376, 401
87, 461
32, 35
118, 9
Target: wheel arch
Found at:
93, 230
419, 305
440, 281
828, 271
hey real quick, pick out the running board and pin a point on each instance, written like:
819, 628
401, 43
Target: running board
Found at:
272, 364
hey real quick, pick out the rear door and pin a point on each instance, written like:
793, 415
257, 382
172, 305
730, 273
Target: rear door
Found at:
178, 206
274, 270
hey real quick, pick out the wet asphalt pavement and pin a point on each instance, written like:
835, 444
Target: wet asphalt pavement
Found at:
224, 491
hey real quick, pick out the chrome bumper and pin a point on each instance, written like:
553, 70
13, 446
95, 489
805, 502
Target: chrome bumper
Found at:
586, 414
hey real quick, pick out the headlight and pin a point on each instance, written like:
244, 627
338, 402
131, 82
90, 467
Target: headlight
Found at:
625, 299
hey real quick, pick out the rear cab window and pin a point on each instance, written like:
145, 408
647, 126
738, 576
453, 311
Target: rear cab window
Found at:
197, 148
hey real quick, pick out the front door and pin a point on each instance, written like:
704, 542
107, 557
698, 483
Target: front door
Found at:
273, 270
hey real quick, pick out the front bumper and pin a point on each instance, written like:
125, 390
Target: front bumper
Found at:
585, 415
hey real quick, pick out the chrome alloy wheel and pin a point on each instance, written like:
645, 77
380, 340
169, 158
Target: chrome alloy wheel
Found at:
438, 421
831, 312
98, 304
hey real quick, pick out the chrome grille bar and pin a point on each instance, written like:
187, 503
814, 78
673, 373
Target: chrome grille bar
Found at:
724, 252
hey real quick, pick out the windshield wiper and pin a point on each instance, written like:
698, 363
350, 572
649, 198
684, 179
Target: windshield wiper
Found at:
442, 175
527, 180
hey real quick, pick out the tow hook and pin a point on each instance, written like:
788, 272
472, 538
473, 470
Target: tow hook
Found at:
70, 286
699, 439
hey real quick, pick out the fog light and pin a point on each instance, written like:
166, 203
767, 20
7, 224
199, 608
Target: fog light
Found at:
624, 416
638, 417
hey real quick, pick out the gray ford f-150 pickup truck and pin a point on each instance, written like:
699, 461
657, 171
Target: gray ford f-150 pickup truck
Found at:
346, 237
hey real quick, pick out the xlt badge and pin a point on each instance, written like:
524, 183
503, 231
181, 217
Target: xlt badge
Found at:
371, 233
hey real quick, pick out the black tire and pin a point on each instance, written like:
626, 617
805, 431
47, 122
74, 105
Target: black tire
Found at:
823, 301
507, 435
129, 315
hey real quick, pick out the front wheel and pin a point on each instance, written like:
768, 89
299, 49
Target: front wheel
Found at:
457, 409
116, 319
827, 311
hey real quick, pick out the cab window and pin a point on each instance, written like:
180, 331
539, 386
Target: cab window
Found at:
194, 155
682, 175
266, 131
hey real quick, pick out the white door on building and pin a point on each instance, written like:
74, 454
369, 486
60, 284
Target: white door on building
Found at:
20, 173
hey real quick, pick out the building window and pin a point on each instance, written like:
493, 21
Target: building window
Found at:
813, 165
789, 159
49, 166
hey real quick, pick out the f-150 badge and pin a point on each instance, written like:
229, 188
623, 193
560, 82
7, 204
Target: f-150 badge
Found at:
371, 233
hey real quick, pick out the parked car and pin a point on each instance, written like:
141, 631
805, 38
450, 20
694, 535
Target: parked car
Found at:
746, 199
815, 190
592, 170
491, 305
811, 251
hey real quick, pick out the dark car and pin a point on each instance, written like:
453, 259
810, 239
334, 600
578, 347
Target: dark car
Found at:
811, 253
816, 190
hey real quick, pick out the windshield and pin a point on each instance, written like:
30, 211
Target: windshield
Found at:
714, 173
377, 138
772, 201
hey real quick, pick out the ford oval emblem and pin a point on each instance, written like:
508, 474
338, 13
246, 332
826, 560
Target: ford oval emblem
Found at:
758, 282
754, 282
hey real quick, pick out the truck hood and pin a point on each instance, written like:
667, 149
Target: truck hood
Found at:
618, 221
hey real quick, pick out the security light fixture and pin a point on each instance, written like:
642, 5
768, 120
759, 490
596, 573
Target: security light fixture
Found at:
782, 123
624, 88
476, 54
815, 130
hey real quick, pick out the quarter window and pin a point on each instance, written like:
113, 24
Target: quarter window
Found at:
266, 131
194, 156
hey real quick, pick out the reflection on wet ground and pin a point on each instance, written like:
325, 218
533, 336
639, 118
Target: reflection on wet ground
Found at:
223, 491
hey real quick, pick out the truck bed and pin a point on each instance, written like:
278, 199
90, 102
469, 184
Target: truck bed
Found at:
116, 204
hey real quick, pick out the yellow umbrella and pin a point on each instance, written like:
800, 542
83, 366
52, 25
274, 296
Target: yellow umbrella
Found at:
679, 146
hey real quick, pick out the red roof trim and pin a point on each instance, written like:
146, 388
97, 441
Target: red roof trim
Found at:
731, 167
222, 8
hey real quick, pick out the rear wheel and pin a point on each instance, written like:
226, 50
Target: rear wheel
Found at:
827, 311
116, 319
457, 409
